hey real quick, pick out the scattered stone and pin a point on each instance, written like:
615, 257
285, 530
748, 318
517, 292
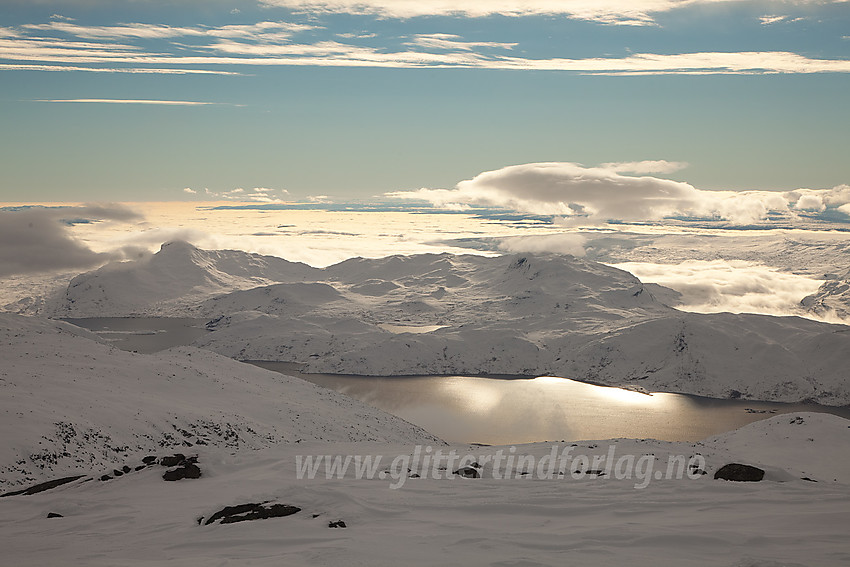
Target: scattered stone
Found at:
797, 421
106, 477
43, 486
337, 524
739, 472
54, 515
189, 470
141, 467
126, 469
150, 459
414, 475
808, 479
316, 516
116, 472
248, 512
467, 472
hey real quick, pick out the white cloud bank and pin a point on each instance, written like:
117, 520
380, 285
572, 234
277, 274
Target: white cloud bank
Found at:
645, 167
728, 286
599, 194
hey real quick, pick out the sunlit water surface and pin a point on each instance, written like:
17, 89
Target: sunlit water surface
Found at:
492, 410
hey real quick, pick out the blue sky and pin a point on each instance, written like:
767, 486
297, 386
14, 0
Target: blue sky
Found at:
293, 99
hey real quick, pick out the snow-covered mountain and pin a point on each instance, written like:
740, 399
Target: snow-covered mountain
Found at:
467, 314
71, 404
832, 299
170, 282
530, 315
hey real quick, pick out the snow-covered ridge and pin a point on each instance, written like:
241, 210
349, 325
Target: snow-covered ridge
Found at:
517, 314
832, 299
170, 282
72, 405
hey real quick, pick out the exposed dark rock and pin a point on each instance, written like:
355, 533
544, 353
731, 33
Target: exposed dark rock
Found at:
149, 459
140, 467
116, 472
126, 469
172, 460
35, 489
189, 470
54, 515
808, 479
337, 524
739, 472
247, 512
106, 477
467, 472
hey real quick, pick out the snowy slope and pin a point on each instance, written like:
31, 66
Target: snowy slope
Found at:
832, 299
71, 404
812, 445
170, 282
520, 520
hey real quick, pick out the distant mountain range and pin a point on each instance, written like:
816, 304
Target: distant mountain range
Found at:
467, 314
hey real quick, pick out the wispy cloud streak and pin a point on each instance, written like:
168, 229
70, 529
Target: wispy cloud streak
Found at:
610, 12
131, 101
152, 48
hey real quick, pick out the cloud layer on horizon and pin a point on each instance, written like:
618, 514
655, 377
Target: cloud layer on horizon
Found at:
602, 194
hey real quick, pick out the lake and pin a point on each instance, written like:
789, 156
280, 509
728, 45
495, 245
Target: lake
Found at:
144, 334
493, 410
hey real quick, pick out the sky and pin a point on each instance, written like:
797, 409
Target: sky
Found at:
457, 104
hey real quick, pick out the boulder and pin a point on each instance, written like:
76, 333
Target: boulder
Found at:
248, 512
189, 470
172, 460
739, 472
467, 472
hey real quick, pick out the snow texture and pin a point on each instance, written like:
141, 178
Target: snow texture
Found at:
517, 314
73, 405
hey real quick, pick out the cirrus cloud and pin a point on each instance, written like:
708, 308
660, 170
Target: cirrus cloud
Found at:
617, 12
